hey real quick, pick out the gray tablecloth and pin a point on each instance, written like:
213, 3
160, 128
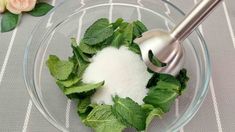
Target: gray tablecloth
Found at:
18, 114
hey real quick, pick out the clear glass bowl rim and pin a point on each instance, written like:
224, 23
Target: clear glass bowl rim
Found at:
183, 120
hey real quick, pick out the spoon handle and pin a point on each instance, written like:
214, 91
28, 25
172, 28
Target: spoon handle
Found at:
193, 19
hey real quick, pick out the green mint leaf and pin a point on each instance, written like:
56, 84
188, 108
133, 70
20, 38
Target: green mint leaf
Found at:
117, 23
83, 88
154, 113
147, 108
98, 32
71, 96
59, 69
129, 112
123, 26
78, 52
40, 9
161, 98
69, 82
163, 77
183, 79
83, 105
128, 34
155, 60
153, 80
138, 29
168, 86
80, 60
135, 48
88, 110
141, 27
9, 21
85, 48
117, 40
101, 119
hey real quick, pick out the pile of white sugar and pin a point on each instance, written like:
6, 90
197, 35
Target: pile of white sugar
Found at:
124, 73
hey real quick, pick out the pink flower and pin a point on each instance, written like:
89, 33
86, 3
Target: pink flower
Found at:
2, 6
18, 6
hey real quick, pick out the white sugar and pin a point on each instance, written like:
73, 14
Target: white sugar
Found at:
124, 73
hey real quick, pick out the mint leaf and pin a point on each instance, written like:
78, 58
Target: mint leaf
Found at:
183, 79
40, 9
69, 82
9, 21
164, 88
155, 112
85, 48
78, 52
138, 29
98, 32
101, 119
147, 108
80, 60
161, 97
87, 110
129, 112
128, 34
135, 48
153, 80
83, 105
141, 27
113, 126
83, 88
155, 60
117, 23
59, 69
117, 40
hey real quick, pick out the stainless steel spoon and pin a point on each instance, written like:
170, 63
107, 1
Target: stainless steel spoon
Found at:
166, 45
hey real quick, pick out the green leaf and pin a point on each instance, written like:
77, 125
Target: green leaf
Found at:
117, 40
123, 26
98, 32
155, 112
141, 27
85, 48
135, 48
128, 34
153, 80
78, 52
161, 98
117, 23
101, 119
138, 29
80, 60
147, 108
59, 69
164, 77
9, 21
114, 126
40, 9
88, 110
83, 88
69, 82
168, 86
183, 79
155, 60
83, 105
129, 112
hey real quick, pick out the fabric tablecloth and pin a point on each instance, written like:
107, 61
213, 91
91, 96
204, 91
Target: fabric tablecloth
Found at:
18, 114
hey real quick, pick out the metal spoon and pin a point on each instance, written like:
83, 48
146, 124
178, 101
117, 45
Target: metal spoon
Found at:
166, 45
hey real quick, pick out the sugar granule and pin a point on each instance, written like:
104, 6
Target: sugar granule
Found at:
123, 71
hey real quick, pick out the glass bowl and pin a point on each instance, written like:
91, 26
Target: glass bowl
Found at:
70, 19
